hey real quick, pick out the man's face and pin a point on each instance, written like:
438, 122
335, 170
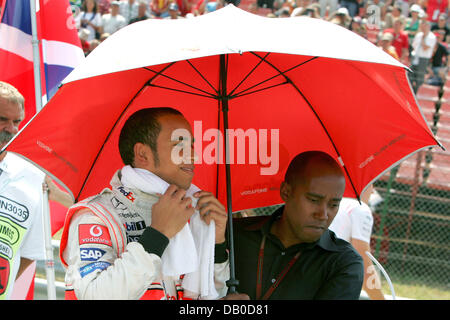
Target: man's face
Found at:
424, 27
142, 9
173, 13
114, 10
11, 115
398, 26
312, 205
385, 44
170, 148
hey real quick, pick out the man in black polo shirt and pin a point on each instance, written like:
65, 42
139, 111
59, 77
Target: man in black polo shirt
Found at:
292, 254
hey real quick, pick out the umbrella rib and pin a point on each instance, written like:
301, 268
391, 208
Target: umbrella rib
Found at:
318, 118
203, 77
181, 82
183, 91
258, 90
280, 73
248, 74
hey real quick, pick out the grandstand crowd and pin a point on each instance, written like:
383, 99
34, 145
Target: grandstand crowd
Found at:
413, 31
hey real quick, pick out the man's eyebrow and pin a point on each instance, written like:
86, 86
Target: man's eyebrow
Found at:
312, 194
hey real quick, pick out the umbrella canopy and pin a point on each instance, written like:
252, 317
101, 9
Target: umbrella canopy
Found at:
263, 89
287, 85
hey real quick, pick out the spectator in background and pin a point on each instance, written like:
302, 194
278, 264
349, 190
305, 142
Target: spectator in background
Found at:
439, 61
404, 6
111, 22
312, 11
214, 5
142, 13
104, 6
353, 223
381, 5
393, 13
441, 25
329, 6
184, 7
299, 6
400, 40
374, 13
357, 26
351, 5
385, 43
83, 34
412, 23
160, 8
89, 18
435, 8
205, 6
173, 11
423, 46
341, 17
283, 12
129, 9
104, 36
94, 44
266, 4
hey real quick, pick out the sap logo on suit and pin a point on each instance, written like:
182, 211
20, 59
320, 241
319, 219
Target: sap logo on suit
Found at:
91, 254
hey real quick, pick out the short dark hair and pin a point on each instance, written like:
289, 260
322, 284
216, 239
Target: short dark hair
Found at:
84, 6
295, 172
142, 126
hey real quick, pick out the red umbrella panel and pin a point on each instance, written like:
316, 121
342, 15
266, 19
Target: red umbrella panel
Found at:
278, 106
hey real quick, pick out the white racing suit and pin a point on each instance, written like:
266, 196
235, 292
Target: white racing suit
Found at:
111, 252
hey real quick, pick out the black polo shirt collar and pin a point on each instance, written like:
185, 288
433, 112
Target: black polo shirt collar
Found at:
327, 241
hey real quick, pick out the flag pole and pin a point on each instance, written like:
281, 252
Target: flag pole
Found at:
49, 262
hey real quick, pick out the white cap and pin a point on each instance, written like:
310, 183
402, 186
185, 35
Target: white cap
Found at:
415, 8
342, 10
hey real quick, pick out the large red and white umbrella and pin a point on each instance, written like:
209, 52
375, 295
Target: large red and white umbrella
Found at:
285, 85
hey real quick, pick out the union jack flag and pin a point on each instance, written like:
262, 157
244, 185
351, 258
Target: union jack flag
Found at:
60, 47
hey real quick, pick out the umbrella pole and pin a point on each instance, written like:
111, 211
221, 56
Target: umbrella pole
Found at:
36, 57
232, 283
49, 265
49, 261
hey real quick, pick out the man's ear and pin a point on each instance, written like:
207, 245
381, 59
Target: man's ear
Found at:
143, 156
285, 191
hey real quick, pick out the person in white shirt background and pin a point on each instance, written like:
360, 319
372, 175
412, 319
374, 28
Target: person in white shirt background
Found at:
129, 9
353, 223
21, 195
89, 18
111, 22
423, 46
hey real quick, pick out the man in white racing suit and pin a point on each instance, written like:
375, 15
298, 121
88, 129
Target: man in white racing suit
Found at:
153, 235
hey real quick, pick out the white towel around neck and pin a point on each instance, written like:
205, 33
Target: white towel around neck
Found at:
191, 250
